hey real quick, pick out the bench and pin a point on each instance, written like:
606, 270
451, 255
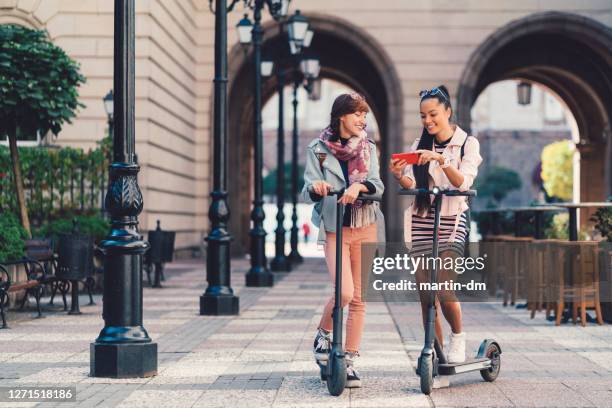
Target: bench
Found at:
32, 285
41, 250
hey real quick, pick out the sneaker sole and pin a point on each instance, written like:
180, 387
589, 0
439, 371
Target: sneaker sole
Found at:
452, 361
321, 356
353, 384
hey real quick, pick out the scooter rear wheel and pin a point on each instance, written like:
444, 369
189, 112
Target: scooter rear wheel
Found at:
490, 374
426, 373
336, 378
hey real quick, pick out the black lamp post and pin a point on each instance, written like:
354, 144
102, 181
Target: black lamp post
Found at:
299, 37
219, 298
294, 255
310, 72
258, 274
123, 349
280, 261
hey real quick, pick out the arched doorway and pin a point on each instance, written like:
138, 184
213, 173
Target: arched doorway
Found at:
570, 55
347, 55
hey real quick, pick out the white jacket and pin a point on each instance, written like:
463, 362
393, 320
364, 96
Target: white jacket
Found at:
468, 166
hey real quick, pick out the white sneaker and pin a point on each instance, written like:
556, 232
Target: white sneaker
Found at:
441, 381
456, 348
352, 376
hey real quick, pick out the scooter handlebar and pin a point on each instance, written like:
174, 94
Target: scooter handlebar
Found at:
436, 191
362, 196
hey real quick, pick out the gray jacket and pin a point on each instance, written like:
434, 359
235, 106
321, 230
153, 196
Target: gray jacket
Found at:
324, 212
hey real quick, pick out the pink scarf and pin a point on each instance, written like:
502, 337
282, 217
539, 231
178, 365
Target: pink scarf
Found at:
356, 152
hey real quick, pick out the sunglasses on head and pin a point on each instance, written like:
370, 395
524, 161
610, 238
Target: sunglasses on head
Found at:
432, 92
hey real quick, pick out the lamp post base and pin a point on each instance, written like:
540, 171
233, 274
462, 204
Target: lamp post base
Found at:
219, 305
259, 278
295, 257
280, 264
124, 360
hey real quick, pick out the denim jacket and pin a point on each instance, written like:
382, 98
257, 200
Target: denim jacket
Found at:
324, 212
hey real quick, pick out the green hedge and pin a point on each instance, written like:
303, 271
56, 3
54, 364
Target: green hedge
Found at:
57, 182
12, 237
93, 224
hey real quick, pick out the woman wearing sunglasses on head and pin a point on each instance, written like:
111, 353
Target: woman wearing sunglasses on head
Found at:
448, 159
343, 157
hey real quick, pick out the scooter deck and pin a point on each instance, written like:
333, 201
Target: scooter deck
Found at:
475, 364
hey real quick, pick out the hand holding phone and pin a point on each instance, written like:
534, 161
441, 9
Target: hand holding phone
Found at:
409, 158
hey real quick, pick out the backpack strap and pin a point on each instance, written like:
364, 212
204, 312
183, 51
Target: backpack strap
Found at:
463, 147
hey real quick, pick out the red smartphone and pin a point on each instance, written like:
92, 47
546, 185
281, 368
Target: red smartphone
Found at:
411, 158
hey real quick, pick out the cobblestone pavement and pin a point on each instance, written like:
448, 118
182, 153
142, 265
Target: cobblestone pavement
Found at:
263, 358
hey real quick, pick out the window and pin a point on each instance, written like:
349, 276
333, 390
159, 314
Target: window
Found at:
28, 142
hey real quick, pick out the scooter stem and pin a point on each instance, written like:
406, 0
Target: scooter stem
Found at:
430, 333
337, 314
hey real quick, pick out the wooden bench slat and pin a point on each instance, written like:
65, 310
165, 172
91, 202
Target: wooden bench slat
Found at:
22, 285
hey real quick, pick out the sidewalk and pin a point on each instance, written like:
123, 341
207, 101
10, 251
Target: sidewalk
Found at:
263, 358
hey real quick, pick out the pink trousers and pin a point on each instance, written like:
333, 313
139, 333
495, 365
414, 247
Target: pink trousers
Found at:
352, 238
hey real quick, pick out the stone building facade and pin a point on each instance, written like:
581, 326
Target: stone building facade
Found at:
388, 50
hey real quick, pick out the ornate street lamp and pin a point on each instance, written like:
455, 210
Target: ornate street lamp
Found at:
219, 298
310, 77
267, 67
297, 27
245, 31
258, 274
280, 262
310, 67
287, 64
314, 87
109, 105
308, 38
109, 109
523, 91
123, 349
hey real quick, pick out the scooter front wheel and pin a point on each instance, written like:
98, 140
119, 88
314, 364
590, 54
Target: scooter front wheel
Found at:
426, 373
493, 353
336, 378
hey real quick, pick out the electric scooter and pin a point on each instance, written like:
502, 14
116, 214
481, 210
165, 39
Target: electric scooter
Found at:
334, 372
432, 361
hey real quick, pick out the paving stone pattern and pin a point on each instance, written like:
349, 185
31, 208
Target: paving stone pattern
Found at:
263, 357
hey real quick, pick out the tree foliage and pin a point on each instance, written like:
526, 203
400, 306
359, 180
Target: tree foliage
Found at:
12, 238
38, 82
497, 182
38, 93
603, 220
269, 182
557, 169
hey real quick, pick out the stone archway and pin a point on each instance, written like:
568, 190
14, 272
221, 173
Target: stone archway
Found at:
348, 55
26, 15
570, 55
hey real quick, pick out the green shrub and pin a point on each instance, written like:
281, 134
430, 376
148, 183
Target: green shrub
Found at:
92, 224
603, 219
12, 238
559, 228
557, 169
496, 183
